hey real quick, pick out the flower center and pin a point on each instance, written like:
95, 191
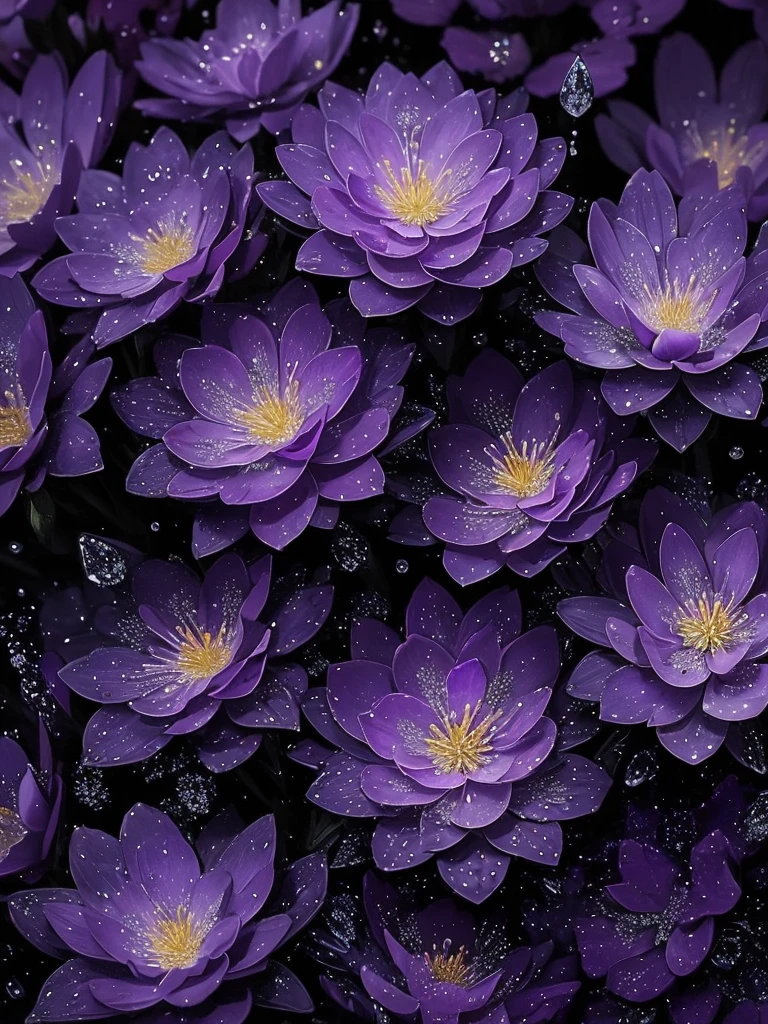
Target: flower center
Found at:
449, 967
176, 940
414, 200
460, 746
522, 472
273, 419
201, 654
728, 149
167, 246
680, 308
22, 194
711, 625
12, 831
15, 428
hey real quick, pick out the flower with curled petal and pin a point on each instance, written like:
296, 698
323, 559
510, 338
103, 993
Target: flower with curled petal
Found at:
443, 738
154, 922
421, 192
669, 307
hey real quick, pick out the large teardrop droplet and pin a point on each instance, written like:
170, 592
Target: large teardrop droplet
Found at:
578, 90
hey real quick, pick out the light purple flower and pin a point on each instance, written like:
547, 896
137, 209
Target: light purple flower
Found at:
443, 738
51, 132
668, 308
254, 69
153, 922
273, 421
420, 192
167, 231
683, 631
31, 792
535, 466
709, 134
181, 657
41, 430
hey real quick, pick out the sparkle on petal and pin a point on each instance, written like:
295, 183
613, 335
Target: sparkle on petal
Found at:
460, 746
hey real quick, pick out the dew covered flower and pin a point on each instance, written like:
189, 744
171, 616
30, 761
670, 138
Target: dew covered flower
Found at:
41, 430
534, 466
154, 922
668, 308
420, 192
50, 133
683, 628
31, 792
709, 133
444, 739
272, 421
177, 656
167, 231
253, 69
439, 964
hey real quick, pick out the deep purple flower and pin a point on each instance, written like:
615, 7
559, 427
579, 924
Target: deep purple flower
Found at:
164, 232
668, 308
126, 23
183, 657
254, 69
709, 134
40, 408
53, 131
498, 56
154, 922
607, 60
423, 194
441, 964
275, 418
31, 793
444, 739
684, 629
537, 466
657, 924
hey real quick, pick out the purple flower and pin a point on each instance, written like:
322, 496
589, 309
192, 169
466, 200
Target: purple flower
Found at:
53, 131
444, 739
684, 627
254, 69
164, 232
607, 61
709, 134
30, 807
41, 430
536, 467
668, 308
634, 17
125, 22
498, 56
154, 922
182, 657
423, 194
657, 924
442, 964
275, 418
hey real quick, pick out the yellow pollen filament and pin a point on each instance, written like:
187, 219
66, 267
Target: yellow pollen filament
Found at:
414, 200
176, 940
12, 831
729, 150
522, 472
449, 968
273, 419
460, 746
711, 626
165, 247
15, 428
676, 307
22, 194
202, 654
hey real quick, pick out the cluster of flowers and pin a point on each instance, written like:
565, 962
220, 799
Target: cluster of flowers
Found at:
448, 744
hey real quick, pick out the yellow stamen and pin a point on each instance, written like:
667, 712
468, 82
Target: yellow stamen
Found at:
414, 200
460, 746
15, 428
165, 247
176, 940
202, 654
677, 307
728, 149
710, 627
12, 831
23, 194
522, 472
449, 968
273, 419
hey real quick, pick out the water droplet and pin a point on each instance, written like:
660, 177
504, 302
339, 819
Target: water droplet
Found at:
401, 565
103, 564
15, 547
643, 767
578, 90
736, 452
154, 527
